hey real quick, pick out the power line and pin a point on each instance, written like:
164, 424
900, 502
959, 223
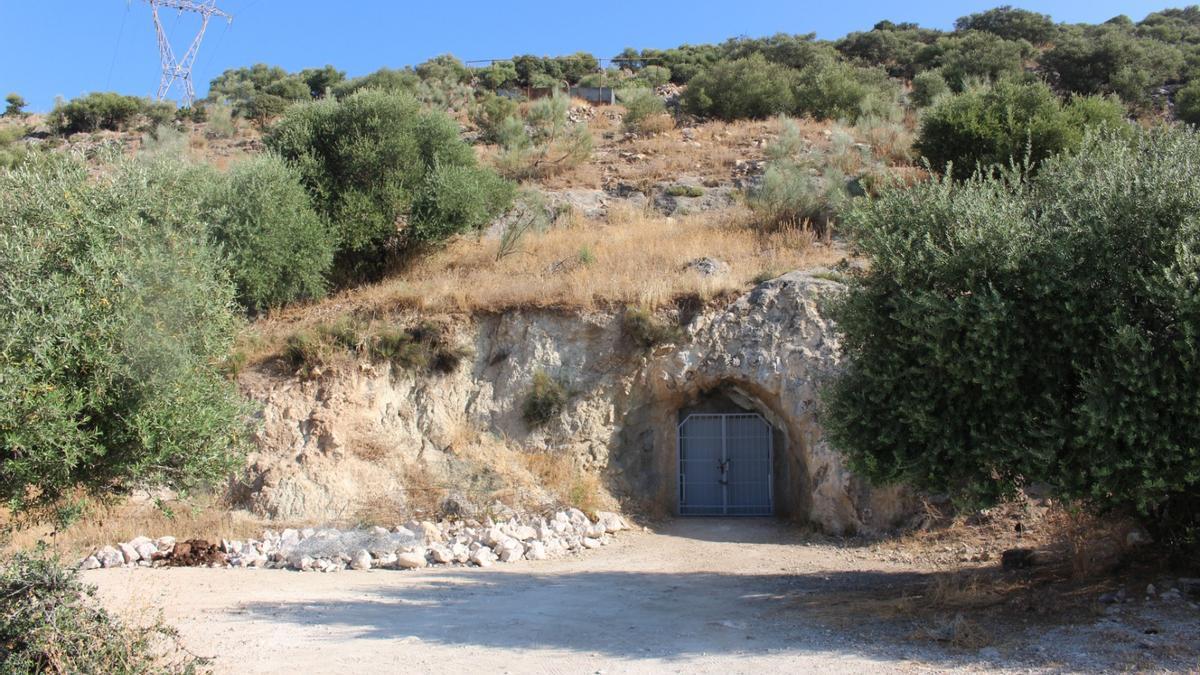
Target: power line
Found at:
116, 49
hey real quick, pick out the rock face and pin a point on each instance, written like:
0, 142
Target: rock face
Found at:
351, 438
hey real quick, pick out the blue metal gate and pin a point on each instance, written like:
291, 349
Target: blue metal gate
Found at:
725, 465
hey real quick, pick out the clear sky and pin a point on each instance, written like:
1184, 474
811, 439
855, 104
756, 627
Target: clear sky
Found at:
70, 47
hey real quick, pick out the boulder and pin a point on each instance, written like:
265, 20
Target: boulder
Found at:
589, 542
361, 560
536, 551
410, 560
440, 554
524, 533
611, 521
483, 557
461, 553
145, 550
90, 563
110, 557
165, 544
129, 553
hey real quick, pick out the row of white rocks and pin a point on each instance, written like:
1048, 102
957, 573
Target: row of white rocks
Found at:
414, 545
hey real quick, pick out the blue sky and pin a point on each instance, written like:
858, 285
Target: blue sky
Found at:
70, 47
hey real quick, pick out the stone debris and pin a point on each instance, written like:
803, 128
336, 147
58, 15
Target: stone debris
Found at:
411, 546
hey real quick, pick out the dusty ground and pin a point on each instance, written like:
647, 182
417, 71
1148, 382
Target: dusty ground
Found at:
709, 596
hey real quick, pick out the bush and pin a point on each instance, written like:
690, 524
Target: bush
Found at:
1010, 23
118, 313
1010, 333
50, 622
646, 330
684, 191
974, 55
278, 248
1187, 103
373, 160
927, 87
996, 125
96, 111
384, 79
1108, 59
220, 121
749, 88
15, 105
262, 92
831, 89
489, 115
544, 141
546, 399
640, 106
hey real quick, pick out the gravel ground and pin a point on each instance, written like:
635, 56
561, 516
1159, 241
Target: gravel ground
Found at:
698, 596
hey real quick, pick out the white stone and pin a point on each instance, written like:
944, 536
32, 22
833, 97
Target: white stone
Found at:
611, 521
89, 563
589, 542
404, 532
146, 550
578, 517
536, 551
110, 557
138, 541
129, 553
461, 553
483, 557
361, 560
524, 533
288, 538
441, 554
165, 544
386, 560
511, 550
493, 536
431, 532
306, 563
410, 561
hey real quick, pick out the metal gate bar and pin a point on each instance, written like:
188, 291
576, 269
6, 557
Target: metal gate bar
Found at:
725, 465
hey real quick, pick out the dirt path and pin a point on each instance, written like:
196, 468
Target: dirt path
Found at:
706, 596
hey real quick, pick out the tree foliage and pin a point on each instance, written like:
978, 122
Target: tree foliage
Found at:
366, 158
1009, 332
1008, 122
118, 313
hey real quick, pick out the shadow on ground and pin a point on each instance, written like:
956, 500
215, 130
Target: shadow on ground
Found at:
636, 615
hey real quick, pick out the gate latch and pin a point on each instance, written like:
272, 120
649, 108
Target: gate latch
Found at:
723, 465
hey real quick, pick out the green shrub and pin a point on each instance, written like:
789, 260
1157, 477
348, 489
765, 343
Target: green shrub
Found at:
373, 160
321, 81
684, 191
261, 92
12, 153
1187, 103
1009, 333
975, 56
1109, 59
384, 79
654, 76
220, 121
15, 105
279, 249
457, 199
546, 399
542, 142
830, 89
489, 115
1008, 122
118, 313
498, 75
640, 105
749, 88
927, 87
646, 330
1010, 23
50, 622
792, 195
97, 111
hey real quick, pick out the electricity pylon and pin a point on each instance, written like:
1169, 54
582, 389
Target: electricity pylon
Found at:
181, 69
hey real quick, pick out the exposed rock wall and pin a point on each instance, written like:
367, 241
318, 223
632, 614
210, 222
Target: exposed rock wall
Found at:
355, 434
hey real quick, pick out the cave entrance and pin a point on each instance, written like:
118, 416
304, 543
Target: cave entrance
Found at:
725, 464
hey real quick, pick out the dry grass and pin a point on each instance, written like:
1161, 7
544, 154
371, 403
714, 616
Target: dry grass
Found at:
202, 517
632, 260
561, 476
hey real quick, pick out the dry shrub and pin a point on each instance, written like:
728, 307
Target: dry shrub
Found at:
380, 509
201, 517
563, 478
657, 124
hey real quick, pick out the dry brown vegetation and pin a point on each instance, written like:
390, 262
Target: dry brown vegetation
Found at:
633, 259
203, 517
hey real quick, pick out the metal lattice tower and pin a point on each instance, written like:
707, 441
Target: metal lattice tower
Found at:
181, 69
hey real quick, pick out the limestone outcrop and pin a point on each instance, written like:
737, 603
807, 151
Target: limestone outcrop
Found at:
358, 438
